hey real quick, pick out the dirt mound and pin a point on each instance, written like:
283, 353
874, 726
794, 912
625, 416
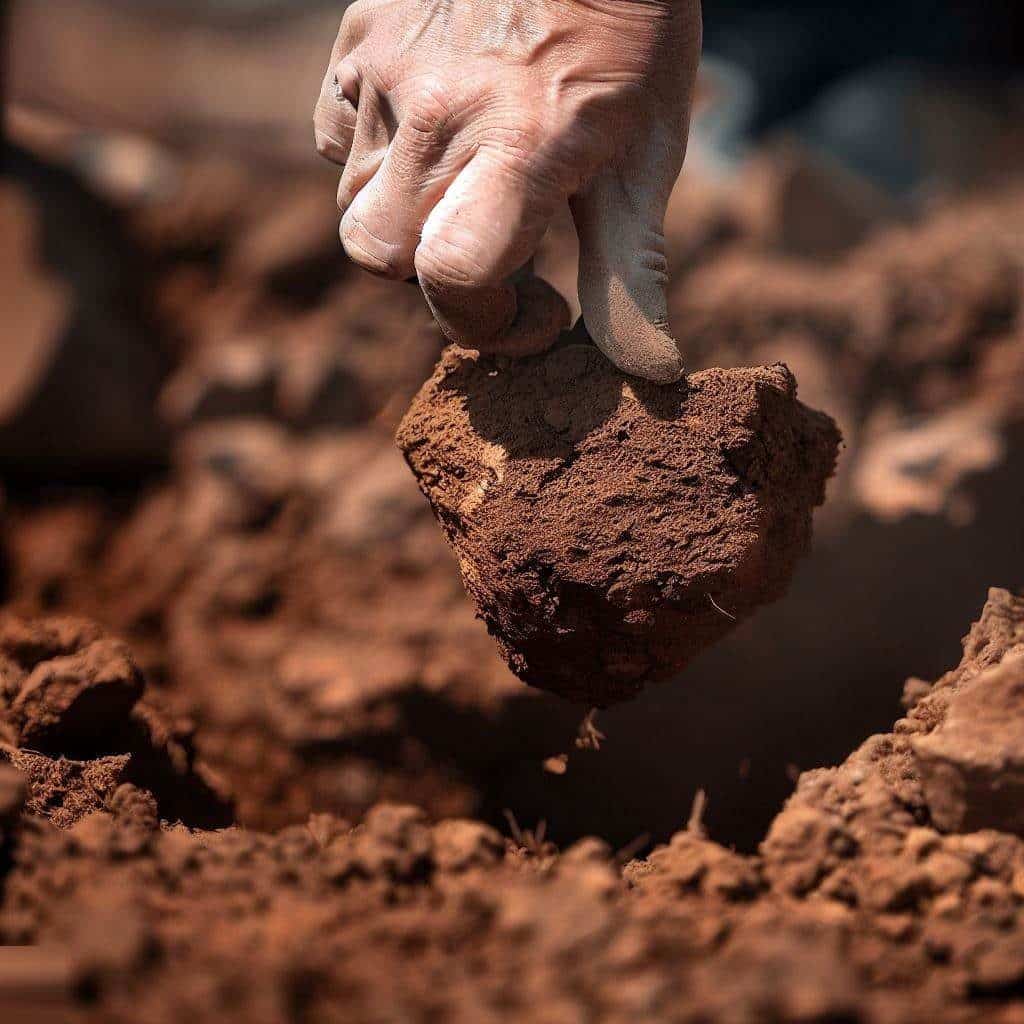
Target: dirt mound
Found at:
609, 529
857, 908
73, 721
295, 597
301, 626
972, 768
912, 340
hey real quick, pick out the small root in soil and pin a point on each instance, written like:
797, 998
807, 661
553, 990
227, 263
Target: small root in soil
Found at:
695, 826
532, 841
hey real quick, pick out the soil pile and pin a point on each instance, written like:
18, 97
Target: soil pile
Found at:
857, 908
73, 721
295, 598
912, 340
609, 529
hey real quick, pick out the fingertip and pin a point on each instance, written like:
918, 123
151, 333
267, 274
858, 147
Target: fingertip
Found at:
541, 315
628, 325
646, 352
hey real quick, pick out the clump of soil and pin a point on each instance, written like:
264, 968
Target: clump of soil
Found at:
609, 529
73, 721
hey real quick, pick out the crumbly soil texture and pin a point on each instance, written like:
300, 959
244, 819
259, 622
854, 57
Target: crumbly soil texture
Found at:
256, 749
609, 529
890, 888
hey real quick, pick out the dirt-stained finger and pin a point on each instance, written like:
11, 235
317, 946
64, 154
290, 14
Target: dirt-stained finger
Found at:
623, 270
335, 115
486, 227
383, 223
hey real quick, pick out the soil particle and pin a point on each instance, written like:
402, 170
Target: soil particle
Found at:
608, 529
67, 701
66, 791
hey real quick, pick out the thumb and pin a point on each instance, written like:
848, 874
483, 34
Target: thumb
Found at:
620, 218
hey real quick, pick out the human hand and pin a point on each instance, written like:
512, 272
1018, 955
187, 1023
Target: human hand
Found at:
462, 125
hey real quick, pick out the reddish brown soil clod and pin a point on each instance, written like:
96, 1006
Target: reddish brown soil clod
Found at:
609, 529
75, 724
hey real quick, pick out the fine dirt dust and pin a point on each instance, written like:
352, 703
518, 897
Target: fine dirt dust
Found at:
609, 529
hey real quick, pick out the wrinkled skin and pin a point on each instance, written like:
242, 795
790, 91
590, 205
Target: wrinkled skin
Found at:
462, 125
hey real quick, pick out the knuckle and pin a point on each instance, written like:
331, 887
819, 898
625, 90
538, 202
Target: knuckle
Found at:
528, 135
517, 143
328, 145
443, 265
531, 156
371, 252
325, 145
431, 106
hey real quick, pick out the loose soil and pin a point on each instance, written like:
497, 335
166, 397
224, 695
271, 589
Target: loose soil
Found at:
857, 906
257, 750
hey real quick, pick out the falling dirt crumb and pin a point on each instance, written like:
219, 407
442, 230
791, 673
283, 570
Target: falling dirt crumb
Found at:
589, 736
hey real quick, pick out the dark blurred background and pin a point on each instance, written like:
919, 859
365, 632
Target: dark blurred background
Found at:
197, 395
